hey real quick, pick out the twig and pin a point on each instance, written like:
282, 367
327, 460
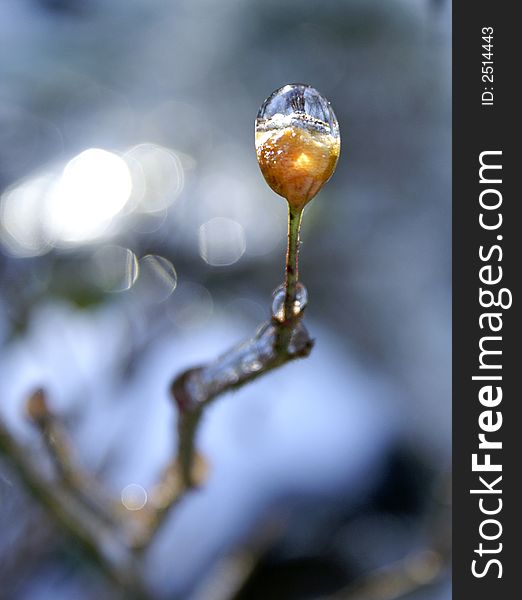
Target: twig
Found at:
195, 389
232, 574
295, 216
85, 514
418, 570
92, 535
84, 488
167, 492
291, 310
397, 580
228, 576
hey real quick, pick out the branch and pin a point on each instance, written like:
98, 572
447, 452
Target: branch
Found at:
195, 388
397, 580
276, 343
92, 534
230, 577
75, 503
420, 569
86, 489
79, 505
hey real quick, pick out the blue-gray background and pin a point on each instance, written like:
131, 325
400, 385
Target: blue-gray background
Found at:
344, 451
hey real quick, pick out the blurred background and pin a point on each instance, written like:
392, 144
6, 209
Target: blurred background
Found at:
138, 238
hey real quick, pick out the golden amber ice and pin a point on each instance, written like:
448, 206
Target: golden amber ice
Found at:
297, 142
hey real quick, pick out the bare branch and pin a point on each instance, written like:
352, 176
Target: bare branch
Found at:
97, 540
86, 489
195, 388
397, 580
81, 507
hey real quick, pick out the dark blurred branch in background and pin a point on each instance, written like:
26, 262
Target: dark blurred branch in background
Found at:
396, 581
419, 570
407, 577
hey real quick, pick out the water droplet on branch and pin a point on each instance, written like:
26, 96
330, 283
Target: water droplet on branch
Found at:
299, 304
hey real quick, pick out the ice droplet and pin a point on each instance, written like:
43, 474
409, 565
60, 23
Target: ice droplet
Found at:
299, 304
265, 340
251, 363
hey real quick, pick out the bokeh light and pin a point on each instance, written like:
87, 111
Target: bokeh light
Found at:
93, 189
157, 279
221, 242
134, 496
114, 268
157, 174
21, 213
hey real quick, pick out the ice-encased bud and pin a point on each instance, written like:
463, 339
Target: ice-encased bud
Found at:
297, 142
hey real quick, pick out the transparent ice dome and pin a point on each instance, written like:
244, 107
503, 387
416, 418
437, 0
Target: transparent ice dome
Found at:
300, 105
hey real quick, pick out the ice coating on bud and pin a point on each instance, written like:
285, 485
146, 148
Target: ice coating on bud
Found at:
297, 142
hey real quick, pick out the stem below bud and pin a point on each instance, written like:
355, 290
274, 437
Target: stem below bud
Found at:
292, 259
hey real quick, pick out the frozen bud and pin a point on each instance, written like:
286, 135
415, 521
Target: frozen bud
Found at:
297, 142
